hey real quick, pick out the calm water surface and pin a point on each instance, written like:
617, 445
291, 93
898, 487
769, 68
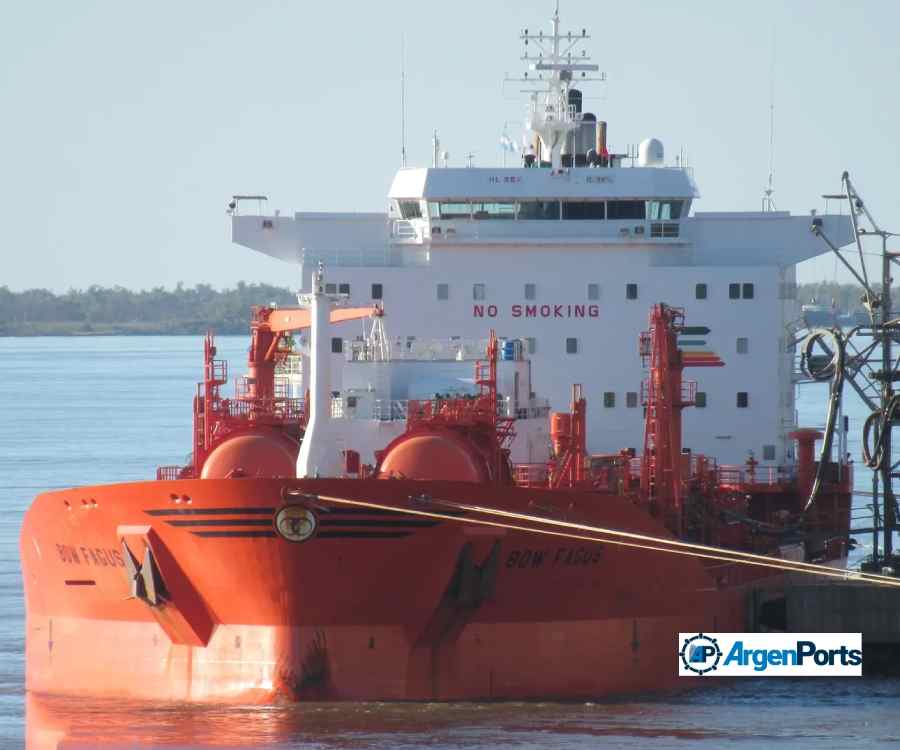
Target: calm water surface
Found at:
95, 410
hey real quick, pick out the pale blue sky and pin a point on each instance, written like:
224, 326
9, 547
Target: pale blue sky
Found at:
125, 126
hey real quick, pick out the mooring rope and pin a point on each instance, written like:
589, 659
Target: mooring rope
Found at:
617, 537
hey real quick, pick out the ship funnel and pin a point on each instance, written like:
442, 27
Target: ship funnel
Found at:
601, 138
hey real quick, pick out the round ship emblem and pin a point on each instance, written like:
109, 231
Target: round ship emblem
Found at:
295, 523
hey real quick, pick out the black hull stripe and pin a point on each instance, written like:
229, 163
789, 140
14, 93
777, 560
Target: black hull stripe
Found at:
235, 534
379, 512
320, 535
223, 522
401, 523
338, 522
362, 534
209, 511
81, 582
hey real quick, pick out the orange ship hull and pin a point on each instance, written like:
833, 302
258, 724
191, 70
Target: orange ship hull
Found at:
376, 605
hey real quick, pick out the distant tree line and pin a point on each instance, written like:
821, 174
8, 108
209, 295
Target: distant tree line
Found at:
118, 310
99, 310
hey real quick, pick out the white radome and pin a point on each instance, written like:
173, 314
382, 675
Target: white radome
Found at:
651, 153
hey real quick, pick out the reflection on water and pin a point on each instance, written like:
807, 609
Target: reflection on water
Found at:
846, 713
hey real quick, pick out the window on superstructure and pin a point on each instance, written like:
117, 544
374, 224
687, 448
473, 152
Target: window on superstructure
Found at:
547, 210
478, 291
443, 291
411, 209
631, 291
768, 453
584, 210
593, 291
494, 210
743, 399
531, 345
664, 210
377, 291
453, 210
734, 291
700, 291
747, 291
700, 399
631, 399
609, 399
530, 291
571, 346
331, 289
743, 345
343, 289
337, 345
626, 209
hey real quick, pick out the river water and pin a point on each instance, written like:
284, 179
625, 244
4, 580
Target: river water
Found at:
94, 410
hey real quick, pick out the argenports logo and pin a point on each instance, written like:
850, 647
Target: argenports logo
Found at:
700, 654
770, 654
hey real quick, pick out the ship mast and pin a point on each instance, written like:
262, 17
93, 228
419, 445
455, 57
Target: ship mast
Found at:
550, 115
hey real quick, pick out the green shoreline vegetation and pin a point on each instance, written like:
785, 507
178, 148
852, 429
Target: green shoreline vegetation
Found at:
116, 311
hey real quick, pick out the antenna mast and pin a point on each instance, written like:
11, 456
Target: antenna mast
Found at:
554, 66
768, 201
402, 100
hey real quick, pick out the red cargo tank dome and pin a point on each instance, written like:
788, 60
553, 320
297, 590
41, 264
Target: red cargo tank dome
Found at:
256, 455
435, 456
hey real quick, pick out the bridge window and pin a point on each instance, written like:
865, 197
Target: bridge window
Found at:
337, 345
377, 291
450, 210
330, 288
747, 291
664, 210
626, 209
609, 399
548, 210
411, 209
343, 288
734, 291
584, 210
494, 210
631, 399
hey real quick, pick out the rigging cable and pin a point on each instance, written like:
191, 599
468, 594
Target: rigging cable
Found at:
607, 536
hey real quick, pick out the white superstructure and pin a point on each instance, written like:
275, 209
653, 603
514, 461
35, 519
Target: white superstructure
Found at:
568, 252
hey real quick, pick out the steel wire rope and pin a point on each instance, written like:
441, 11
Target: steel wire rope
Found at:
616, 537
833, 370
